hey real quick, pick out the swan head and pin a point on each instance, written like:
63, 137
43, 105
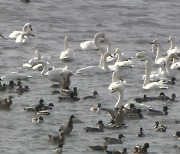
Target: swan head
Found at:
27, 27
117, 52
170, 39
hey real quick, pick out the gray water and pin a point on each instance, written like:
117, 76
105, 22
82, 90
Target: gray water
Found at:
130, 26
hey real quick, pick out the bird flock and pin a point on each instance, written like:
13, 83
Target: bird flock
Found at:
167, 70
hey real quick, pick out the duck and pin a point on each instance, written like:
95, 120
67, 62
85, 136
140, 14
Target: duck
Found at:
6, 103
151, 111
137, 115
114, 124
158, 128
15, 76
58, 139
67, 127
69, 94
26, 28
58, 149
120, 62
68, 53
95, 93
3, 87
99, 147
37, 107
141, 149
96, 108
177, 135
110, 140
140, 133
87, 45
94, 129
124, 151
40, 119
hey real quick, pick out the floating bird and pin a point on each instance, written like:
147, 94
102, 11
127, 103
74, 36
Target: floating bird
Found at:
110, 140
140, 133
93, 129
67, 127
99, 147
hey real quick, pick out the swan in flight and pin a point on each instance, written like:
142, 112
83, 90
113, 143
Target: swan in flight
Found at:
26, 28
93, 43
68, 53
151, 85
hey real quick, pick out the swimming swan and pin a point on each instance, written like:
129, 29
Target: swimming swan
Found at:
92, 44
26, 28
68, 53
173, 48
22, 38
96, 69
56, 74
159, 60
147, 84
15, 76
120, 62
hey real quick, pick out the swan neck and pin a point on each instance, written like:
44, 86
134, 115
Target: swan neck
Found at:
101, 63
105, 64
45, 68
65, 43
168, 64
147, 73
172, 44
120, 99
158, 52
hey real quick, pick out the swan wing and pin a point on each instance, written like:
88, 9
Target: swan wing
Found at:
14, 34
87, 45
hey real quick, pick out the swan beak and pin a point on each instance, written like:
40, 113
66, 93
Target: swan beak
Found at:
33, 35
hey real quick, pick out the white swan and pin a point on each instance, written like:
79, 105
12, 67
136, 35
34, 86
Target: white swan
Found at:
118, 87
38, 56
96, 69
159, 60
171, 68
120, 62
151, 54
26, 28
22, 38
68, 53
15, 76
92, 44
152, 85
154, 75
173, 48
56, 74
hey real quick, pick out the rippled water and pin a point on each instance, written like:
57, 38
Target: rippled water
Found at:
129, 25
